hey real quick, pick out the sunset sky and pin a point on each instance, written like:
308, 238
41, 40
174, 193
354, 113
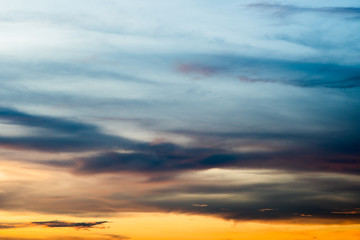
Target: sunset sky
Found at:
179, 120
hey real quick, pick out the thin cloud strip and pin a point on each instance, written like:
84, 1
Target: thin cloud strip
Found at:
283, 9
53, 224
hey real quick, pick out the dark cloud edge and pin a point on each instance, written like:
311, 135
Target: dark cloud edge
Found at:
331, 152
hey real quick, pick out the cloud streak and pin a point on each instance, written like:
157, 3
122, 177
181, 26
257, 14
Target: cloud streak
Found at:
285, 10
53, 224
62, 224
302, 74
60, 135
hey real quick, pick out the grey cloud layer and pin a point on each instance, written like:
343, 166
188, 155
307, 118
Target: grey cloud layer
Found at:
302, 198
306, 198
61, 135
334, 151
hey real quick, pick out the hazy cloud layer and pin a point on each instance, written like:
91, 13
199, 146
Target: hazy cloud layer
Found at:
307, 197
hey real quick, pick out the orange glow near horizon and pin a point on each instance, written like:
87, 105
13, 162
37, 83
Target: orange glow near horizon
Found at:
164, 226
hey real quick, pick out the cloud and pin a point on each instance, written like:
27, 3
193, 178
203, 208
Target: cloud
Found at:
297, 198
267, 209
295, 152
62, 224
237, 194
55, 124
53, 224
99, 237
158, 158
7, 226
197, 69
14, 238
284, 10
304, 74
199, 205
60, 134
351, 212
260, 105
117, 237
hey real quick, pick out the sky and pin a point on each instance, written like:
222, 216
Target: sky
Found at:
183, 119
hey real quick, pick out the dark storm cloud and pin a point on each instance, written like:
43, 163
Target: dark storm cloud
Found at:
61, 224
284, 10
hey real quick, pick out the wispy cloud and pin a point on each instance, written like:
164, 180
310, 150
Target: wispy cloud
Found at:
197, 69
284, 10
53, 224
62, 224
8, 226
305, 74
99, 237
